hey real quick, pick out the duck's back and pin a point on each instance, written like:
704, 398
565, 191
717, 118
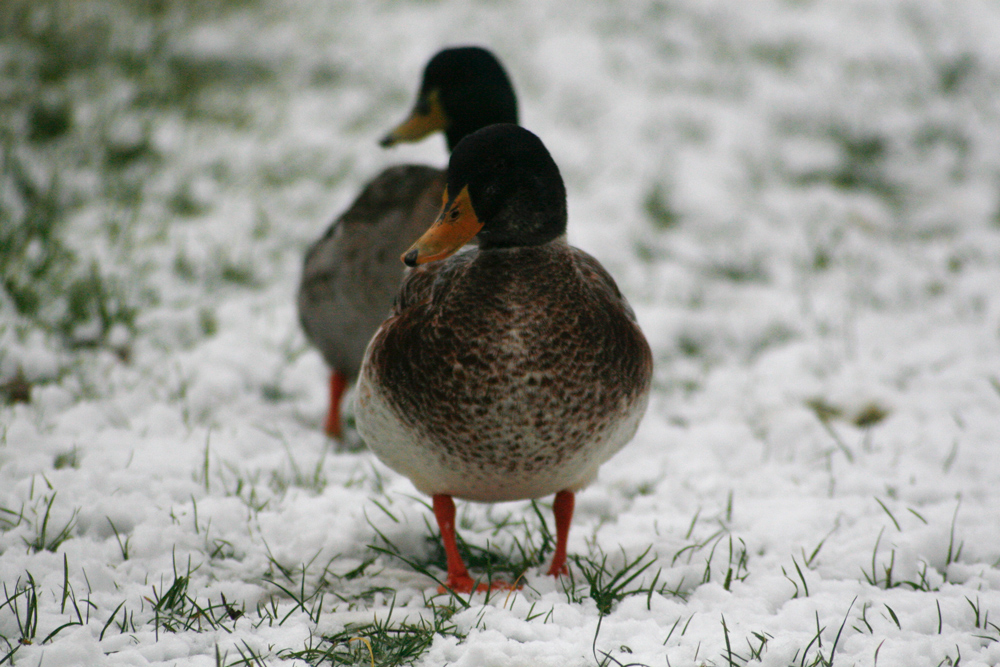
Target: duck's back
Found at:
540, 373
352, 274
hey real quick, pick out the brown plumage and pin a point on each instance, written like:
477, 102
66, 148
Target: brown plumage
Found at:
508, 371
511, 368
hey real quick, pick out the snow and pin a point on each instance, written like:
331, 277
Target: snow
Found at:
820, 295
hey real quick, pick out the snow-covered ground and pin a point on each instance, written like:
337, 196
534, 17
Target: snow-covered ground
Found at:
801, 199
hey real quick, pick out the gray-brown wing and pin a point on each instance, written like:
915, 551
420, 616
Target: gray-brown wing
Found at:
352, 274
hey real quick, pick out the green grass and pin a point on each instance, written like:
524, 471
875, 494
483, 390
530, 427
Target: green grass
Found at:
21, 603
184, 203
47, 533
751, 271
48, 281
522, 545
821, 656
861, 168
310, 591
657, 208
608, 585
17, 389
295, 584
386, 642
10, 519
52, 166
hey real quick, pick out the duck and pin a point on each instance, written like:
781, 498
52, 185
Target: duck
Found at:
351, 274
512, 370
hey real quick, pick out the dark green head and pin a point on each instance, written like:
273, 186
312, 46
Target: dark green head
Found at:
464, 89
514, 185
504, 188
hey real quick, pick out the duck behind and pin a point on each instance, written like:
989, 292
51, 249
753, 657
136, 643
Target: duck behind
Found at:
351, 274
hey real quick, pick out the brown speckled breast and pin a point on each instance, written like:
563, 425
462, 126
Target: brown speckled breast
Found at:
352, 274
505, 374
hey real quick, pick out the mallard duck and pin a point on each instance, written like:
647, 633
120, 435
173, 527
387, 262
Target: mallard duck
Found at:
509, 371
351, 274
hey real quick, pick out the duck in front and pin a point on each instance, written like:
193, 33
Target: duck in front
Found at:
510, 371
352, 273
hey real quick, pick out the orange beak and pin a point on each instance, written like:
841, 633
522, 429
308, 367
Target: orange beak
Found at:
427, 117
455, 226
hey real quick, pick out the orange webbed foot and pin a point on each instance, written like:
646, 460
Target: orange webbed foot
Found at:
558, 570
458, 579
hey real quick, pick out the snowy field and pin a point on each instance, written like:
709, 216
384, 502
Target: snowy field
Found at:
800, 198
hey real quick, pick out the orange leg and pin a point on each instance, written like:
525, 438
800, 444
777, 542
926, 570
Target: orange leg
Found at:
458, 577
563, 509
338, 385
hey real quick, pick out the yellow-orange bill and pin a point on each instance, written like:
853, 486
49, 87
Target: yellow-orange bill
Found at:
426, 117
454, 227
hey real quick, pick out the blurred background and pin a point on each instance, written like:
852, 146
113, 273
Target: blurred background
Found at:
800, 198
153, 149
160, 150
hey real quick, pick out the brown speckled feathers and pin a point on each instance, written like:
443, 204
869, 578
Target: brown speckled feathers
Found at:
512, 358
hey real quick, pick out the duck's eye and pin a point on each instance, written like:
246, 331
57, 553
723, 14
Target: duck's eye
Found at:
454, 214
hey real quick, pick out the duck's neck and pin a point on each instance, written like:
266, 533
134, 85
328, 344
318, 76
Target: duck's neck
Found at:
559, 240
